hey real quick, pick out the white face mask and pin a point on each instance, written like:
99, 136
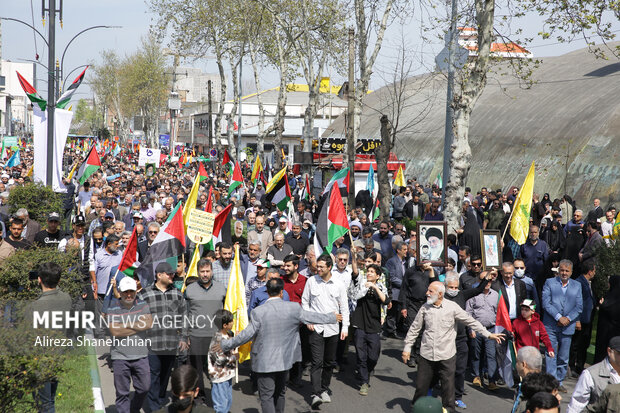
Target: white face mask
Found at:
519, 273
452, 293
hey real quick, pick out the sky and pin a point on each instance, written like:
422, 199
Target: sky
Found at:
134, 18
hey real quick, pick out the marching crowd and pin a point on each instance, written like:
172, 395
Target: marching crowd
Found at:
307, 311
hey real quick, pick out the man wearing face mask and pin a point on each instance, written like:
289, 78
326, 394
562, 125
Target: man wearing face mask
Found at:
530, 286
204, 297
438, 348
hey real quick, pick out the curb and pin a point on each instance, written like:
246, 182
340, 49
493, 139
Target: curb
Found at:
94, 376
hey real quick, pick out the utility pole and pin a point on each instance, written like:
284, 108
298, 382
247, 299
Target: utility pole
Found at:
448, 133
350, 152
210, 121
51, 83
239, 116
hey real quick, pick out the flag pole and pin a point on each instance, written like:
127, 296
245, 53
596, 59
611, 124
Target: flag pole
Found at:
511, 212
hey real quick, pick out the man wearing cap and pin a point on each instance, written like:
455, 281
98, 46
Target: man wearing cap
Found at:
78, 233
129, 318
257, 281
593, 380
165, 303
52, 235
282, 227
204, 298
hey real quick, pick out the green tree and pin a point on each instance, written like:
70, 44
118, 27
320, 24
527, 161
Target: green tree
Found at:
87, 119
37, 198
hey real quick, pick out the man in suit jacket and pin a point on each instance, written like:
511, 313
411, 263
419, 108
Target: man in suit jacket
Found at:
593, 242
143, 246
513, 290
562, 306
396, 267
31, 227
596, 212
274, 332
583, 327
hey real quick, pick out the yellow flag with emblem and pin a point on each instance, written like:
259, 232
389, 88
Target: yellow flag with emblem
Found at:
235, 303
192, 270
400, 177
520, 223
615, 231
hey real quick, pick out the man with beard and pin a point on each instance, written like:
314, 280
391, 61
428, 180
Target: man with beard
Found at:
223, 266
396, 267
261, 234
143, 247
438, 348
384, 238
495, 216
534, 253
414, 208
469, 278
435, 243
248, 261
204, 297
298, 241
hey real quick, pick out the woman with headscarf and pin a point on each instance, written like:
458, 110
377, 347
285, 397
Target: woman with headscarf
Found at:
546, 201
608, 318
471, 232
554, 237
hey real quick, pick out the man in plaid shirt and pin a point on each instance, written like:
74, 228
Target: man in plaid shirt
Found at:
168, 308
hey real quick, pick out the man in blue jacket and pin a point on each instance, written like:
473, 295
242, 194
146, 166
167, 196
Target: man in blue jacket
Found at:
583, 327
562, 306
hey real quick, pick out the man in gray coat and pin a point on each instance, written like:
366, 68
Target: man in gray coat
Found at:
274, 332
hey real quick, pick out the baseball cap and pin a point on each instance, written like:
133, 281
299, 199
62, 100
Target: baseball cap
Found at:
614, 343
529, 303
127, 284
137, 215
79, 220
164, 267
427, 404
109, 215
53, 216
283, 219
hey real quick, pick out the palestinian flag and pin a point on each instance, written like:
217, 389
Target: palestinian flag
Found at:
376, 211
237, 179
278, 190
227, 161
5, 152
506, 357
341, 178
89, 167
305, 192
202, 172
218, 224
129, 263
256, 170
209, 205
31, 92
169, 244
332, 223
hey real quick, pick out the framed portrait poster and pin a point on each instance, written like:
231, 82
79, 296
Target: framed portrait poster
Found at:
491, 250
432, 246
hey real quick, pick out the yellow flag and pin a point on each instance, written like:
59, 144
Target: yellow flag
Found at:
191, 201
258, 166
235, 303
72, 171
615, 231
400, 177
520, 224
275, 180
192, 271
29, 173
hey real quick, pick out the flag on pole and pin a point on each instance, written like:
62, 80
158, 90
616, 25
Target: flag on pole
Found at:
31, 92
209, 205
14, 160
341, 178
89, 167
227, 161
192, 270
167, 246
202, 172
235, 303
278, 190
438, 181
70, 177
192, 198
370, 182
236, 179
256, 170
129, 262
305, 192
332, 223
520, 222
506, 357
400, 177
376, 211
66, 97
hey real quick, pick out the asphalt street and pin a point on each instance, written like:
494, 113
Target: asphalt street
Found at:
392, 387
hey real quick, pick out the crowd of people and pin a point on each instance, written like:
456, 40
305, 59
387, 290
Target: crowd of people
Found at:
370, 287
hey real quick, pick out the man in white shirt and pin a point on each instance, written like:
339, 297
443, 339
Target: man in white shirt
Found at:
596, 378
324, 293
607, 227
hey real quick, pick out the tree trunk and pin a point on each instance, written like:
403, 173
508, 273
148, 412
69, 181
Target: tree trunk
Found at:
279, 120
463, 104
383, 179
260, 137
217, 128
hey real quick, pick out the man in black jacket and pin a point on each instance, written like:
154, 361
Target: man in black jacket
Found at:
414, 208
512, 289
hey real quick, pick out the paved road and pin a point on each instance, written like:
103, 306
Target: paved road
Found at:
391, 389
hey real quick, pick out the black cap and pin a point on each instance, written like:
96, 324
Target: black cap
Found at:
164, 267
53, 216
79, 220
614, 343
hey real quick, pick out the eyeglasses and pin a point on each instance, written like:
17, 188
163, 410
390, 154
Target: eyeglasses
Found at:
343, 259
476, 264
153, 232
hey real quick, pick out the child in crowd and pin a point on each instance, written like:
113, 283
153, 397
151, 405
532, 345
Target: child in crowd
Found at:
529, 330
222, 364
